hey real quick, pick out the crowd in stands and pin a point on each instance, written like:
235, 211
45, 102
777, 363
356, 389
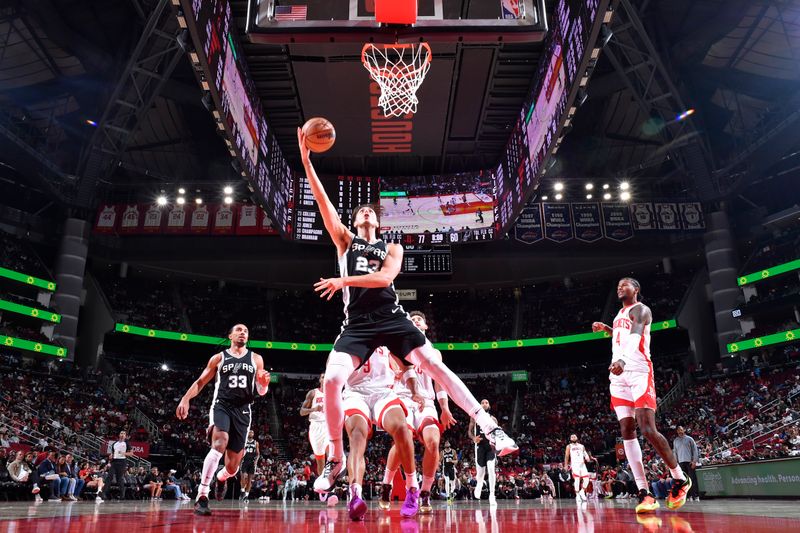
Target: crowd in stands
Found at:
467, 315
20, 256
142, 302
775, 249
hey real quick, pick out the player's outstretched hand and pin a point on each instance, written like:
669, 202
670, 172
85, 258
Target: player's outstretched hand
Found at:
305, 153
263, 377
446, 419
328, 287
599, 326
183, 410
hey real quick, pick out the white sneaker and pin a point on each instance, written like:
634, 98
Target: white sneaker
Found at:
582, 494
72, 498
477, 493
333, 471
502, 443
38, 499
492, 500
99, 500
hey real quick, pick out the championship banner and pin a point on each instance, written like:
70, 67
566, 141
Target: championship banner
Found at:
152, 219
200, 221
106, 219
177, 218
247, 223
528, 228
130, 220
557, 222
667, 216
586, 217
644, 218
617, 222
692, 216
139, 449
223, 221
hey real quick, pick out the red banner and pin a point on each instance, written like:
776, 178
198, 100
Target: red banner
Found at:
223, 219
139, 449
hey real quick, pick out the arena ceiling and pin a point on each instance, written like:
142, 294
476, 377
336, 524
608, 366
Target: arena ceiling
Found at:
737, 63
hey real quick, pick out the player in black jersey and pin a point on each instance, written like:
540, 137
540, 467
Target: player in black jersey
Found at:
449, 462
484, 458
373, 318
249, 463
240, 375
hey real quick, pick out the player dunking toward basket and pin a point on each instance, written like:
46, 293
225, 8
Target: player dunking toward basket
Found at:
633, 394
239, 375
374, 318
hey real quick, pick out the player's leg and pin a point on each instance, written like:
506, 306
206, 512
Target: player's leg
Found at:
392, 464
480, 470
646, 419
220, 425
492, 473
392, 418
357, 433
338, 368
431, 437
576, 481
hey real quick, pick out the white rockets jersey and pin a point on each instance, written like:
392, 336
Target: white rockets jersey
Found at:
374, 376
424, 386
319, 399
577, 455
640, 362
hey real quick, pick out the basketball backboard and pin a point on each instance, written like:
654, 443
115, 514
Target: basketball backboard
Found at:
298, 21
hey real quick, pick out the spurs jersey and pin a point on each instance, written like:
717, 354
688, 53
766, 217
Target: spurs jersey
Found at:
319, 399
360, 259
373, 377
236, 380
577, 456
640, 362
249, 451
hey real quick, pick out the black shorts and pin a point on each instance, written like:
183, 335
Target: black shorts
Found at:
389, 327
248, 467
450, 472
235, 421
483, 454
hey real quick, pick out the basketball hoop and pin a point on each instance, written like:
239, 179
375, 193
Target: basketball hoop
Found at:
399, 70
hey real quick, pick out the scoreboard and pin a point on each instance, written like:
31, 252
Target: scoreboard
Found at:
346, 193
429, 260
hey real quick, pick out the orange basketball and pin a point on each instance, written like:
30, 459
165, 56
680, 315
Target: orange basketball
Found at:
320, 134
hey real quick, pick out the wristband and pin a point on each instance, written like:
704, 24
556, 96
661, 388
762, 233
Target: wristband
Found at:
441, 395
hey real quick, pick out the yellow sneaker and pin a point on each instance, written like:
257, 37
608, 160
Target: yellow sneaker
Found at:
677, 496
647, 503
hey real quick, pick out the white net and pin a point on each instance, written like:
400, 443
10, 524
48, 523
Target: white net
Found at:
399, 70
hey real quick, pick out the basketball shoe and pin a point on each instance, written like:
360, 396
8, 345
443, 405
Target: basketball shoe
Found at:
333, 470
501, 442
647, 502
386, 497
677, 496
425, 502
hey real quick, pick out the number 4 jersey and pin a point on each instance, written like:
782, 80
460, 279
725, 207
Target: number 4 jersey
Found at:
236, 380
360, 259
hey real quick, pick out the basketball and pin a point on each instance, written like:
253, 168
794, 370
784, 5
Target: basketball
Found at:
320, 134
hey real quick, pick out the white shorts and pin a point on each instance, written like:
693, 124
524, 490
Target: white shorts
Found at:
580, 472
318, 437
417, 420
371, 406
631, 391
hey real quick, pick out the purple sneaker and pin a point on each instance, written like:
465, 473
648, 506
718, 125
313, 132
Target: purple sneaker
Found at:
411, 505
356, 508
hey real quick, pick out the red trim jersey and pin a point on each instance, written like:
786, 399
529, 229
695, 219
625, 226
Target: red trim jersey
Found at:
640, 362
319, 399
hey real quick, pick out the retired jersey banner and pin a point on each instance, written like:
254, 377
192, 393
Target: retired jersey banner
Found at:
667, 216
528, 228
200, 221
692, 216
617, 222
586, 217
106, 219
247, 223
557, 222
644, 218
153, 217
129, 223
177, 218
223, 220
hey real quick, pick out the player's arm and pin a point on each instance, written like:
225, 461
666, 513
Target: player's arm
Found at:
339, 233
600, 326
566, 457
308, 404
262, 376
208, 372
640, 317
376, 280
471, 432
446, 417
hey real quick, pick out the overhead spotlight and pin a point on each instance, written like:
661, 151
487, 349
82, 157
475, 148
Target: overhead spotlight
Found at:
605, 35
684, 115
228, 190
589, 196
581, 98
559, 196
558, 186
607, 196
228, 200
181, 190
589, 186
161, 200
164, 366
90, 122
624, 185
608, 15
181, 19
544, 197
625, 196
606, 186
198, 201
181, 200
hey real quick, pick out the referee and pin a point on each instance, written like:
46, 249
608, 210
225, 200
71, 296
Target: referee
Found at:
118, 462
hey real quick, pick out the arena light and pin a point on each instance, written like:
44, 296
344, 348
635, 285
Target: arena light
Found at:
164, 366
90, 122
228, 200
228, 190
198, 201
558, 186
624, 186
589, 186
181, 190
181, 200
686, 114
606, 186
544, 197
589, 196
559, 196
625, 196
161, 200
607, 196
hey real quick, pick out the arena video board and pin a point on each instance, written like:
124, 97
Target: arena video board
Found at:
226, 77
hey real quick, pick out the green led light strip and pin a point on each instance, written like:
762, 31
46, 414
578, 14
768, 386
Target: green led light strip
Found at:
25, 278
448, 346
32, 346
769, 272
776, 338
41, 314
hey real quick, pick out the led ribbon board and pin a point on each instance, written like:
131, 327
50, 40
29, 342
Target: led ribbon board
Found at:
32, 346
41, 314
26, 278
767, 340
769, 272
315, 347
